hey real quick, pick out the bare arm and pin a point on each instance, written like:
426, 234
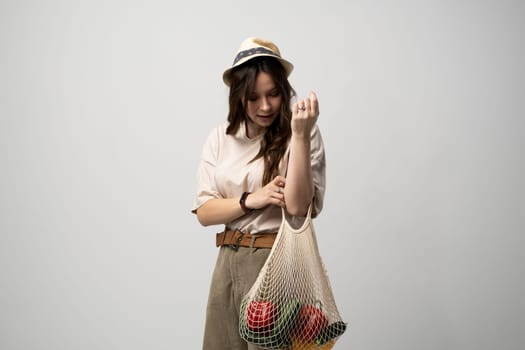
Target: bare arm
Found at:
223, 210
219, 211
299, 190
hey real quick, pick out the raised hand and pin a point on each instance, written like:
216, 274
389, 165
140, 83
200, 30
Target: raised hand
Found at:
304, 115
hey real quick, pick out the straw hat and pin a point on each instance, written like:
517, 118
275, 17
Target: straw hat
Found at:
256, 47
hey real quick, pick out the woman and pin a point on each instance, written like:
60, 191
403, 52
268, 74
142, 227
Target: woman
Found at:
267, 156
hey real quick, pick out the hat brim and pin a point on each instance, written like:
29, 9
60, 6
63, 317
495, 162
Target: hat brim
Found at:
288, 67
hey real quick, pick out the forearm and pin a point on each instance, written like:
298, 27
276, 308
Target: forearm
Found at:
299, 189
219, 211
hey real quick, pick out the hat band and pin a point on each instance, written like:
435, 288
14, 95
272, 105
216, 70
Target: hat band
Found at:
254, 51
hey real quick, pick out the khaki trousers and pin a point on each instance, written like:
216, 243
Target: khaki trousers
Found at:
234, 274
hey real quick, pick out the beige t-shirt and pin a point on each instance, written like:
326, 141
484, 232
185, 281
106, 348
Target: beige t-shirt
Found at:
225, 171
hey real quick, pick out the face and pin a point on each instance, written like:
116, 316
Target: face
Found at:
263, 105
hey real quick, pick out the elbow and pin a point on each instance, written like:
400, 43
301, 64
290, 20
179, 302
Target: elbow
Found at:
204, 223
297, 210
203, 220
299, 206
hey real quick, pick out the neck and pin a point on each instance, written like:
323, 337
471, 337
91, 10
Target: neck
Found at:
253, 130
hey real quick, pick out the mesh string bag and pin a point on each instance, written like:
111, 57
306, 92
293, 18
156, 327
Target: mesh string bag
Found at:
291, 304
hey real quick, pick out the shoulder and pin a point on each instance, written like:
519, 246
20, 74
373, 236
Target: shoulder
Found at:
220, 129
217, 133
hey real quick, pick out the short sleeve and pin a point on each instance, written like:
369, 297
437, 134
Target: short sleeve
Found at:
206, 184
318, 163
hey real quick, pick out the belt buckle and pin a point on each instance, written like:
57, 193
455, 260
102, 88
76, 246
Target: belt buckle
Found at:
235, 246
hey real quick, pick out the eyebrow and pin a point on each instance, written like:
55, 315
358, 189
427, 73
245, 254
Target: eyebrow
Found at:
274, 89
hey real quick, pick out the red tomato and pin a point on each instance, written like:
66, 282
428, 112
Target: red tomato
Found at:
261, 315
310, 322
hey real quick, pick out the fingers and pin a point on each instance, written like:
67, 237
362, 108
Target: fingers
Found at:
309, 105
277, 195
279, 180
280, 204
298, 107
314, 102
277, 189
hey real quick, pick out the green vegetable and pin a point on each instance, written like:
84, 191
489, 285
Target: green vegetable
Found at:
330, 332
279, 336
287, 318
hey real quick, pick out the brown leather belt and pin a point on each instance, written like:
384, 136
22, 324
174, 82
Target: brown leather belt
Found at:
235, 239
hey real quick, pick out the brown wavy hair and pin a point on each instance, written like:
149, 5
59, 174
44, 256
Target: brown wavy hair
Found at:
275, 140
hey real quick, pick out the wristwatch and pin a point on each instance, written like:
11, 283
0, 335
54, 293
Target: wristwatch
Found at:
242, 202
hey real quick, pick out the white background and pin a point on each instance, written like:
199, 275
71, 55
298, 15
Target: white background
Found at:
105, 105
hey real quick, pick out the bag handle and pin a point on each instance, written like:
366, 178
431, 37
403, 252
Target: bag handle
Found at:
307, 220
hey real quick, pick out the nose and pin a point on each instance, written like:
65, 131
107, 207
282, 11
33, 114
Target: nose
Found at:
265, 104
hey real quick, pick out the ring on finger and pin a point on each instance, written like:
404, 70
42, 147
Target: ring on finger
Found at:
301, 108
